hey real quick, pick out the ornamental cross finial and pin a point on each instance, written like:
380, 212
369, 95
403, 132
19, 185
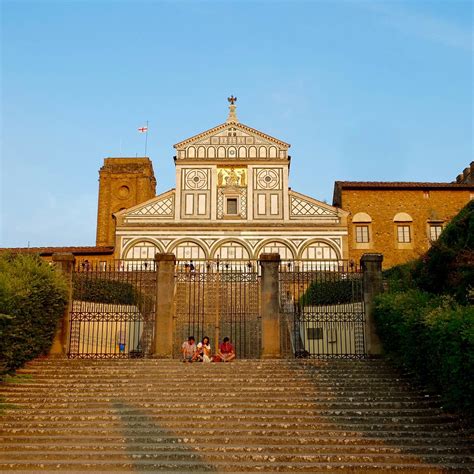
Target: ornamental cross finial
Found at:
232, 99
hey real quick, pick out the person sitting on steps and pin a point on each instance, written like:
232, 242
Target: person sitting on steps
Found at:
203, 352
188, 349
226, 352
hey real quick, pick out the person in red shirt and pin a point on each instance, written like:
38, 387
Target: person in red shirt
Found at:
226, 351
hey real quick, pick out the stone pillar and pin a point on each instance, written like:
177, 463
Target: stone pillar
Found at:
270, 304
60, 347
165, 290
371, 264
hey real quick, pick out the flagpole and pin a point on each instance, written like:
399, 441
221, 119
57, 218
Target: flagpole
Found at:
146, 137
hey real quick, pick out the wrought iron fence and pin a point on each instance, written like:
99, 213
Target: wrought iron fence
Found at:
322, 305
218, 299
113, 309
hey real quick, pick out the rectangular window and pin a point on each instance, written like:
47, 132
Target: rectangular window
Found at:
274, 204
435, 231
232, 206
201, 204
314, 333
262, 210
189, 204
362, 233
403, 233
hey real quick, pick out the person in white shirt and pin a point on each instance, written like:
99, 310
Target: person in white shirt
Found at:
188, 349
203, 352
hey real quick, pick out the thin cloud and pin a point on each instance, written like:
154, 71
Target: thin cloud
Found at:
423, 25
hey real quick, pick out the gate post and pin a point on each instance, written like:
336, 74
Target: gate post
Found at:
371, 264
163, 337
65, 262
270, 306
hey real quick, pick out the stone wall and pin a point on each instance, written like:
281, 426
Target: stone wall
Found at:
425, 207
123, 183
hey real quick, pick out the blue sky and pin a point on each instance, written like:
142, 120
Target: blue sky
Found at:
363, 90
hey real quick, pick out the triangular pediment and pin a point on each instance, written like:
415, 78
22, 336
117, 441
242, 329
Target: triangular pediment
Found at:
161, 206
304, 207
232, 140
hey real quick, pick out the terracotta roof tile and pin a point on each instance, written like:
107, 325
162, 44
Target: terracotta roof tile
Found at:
399, 185
51, 250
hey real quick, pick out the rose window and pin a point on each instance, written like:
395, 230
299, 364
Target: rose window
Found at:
267, 179
196, 179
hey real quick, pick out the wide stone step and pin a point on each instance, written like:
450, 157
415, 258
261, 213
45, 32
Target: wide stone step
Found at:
219, 445
233, 456
248, 406
71, 415
265, 466
399, 416
225, 388
218, 378
241, 429
149, 400
315, 439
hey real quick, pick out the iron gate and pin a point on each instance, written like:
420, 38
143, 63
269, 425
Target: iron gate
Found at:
219, 299
322, 306
113, 308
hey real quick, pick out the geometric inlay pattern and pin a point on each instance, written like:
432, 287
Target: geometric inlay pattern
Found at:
243, 202
301, 207
196, 179
267, 179
163, 207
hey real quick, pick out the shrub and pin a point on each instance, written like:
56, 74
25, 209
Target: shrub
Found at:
400, 278
432, 337
91, 287
33, 296
332, 289
448, 266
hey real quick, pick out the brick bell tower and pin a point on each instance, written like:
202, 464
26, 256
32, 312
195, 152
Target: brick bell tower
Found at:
123, 183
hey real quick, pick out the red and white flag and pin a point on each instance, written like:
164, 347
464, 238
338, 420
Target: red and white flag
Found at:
143, 129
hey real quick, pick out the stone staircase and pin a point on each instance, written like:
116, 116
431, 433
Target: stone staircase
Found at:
247, 416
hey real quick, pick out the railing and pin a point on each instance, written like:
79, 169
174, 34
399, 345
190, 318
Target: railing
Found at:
219, 299
323, 303
113, 310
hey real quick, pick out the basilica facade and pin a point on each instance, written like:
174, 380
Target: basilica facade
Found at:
232, 201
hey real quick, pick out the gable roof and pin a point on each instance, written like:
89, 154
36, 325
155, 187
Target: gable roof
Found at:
225, 125
302, 206
155, 206
394, 185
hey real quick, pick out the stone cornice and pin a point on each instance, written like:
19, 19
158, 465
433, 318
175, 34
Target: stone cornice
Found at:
223, 126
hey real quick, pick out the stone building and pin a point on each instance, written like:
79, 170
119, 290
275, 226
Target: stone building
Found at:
231, 202
399, 220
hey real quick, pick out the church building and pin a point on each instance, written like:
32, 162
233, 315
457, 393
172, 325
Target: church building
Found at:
231, 202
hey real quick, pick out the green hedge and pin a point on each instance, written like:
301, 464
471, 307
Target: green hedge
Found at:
91, 287
448, 266
33, 297
331, 289
432, 336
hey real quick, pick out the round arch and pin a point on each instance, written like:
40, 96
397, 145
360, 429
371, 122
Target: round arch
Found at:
201, 152
222, 249
142, 249
189, 249
274, 246
402, 217
362, 217
191, 152
327, 250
